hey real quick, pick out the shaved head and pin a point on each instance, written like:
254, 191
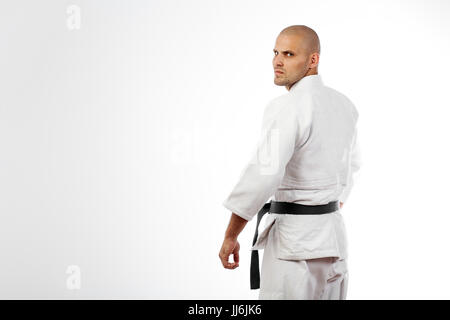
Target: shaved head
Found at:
296, 55
308, 37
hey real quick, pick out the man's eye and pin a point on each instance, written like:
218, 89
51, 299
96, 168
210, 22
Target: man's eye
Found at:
289, 54
275, 53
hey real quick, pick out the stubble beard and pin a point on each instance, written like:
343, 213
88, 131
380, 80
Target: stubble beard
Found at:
281, 81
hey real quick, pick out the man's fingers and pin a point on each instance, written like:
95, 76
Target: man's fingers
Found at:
235, 263
236, 256
224, 256
227, 264
231, 265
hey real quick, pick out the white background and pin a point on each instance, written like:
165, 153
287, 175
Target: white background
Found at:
120, 140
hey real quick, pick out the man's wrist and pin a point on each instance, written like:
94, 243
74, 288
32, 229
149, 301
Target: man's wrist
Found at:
235, 227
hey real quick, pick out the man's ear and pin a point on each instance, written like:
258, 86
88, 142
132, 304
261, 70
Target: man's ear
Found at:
315, 57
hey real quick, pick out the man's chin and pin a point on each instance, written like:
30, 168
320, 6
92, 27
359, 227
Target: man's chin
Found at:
279, 82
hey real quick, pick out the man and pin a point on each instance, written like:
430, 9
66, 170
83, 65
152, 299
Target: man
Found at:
306, 158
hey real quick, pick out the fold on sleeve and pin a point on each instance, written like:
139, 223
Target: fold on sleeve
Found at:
355, 165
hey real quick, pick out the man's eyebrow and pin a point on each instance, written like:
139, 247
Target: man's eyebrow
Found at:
286, 51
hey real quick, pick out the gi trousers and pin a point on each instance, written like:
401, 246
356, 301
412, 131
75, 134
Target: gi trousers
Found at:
310, 279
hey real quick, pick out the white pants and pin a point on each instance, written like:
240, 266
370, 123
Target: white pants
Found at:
311, 279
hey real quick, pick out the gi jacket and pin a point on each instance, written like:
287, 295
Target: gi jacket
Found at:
307, 153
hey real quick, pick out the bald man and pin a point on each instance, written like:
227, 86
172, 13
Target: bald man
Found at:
304, 165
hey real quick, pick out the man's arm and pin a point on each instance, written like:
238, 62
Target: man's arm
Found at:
261, 177
235, 226
230, 244
263, 174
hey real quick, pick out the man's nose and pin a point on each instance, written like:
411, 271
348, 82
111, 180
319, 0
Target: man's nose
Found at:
278, 61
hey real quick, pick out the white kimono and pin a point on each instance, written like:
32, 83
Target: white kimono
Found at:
307, 154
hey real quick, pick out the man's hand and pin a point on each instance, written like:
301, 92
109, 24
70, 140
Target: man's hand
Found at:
230, 246
341, 204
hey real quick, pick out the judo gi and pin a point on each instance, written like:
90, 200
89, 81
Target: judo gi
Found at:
307, 153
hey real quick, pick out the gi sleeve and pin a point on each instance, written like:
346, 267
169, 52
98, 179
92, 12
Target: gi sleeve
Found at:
355, 165
263, 174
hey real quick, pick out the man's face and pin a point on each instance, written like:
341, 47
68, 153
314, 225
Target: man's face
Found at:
290, 61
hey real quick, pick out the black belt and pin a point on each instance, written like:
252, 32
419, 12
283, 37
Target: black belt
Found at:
283, 208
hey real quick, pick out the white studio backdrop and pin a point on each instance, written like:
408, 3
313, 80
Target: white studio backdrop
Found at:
125, 124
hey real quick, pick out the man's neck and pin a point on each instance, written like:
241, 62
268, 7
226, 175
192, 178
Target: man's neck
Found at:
309, 73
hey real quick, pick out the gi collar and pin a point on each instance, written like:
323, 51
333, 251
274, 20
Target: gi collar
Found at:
307, 82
